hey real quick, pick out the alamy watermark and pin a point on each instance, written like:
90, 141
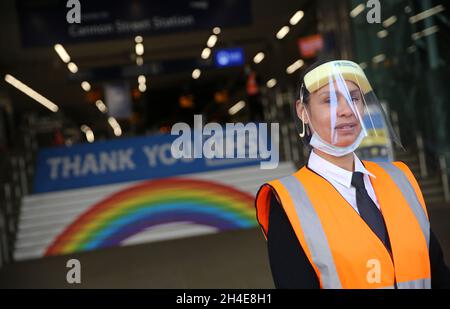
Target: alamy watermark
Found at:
373, 15
74, 273
74, 14
374, 273
231, 141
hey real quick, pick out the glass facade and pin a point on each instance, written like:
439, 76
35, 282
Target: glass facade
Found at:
406, 57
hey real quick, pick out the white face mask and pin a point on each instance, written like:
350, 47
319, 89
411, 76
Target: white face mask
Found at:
318, 143
337, 151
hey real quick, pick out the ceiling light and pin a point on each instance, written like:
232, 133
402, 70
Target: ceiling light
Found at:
141, 79
211, 41
357, 10
31, 93
282, 32
101, 106
390, 21
258, 57
86, 86
206, 53
196, 73
72, 67
296, 18
62, 53
271, 83
236, 107
139, 49
142, 87
295, 66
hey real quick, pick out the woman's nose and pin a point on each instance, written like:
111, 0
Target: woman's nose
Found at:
344, 108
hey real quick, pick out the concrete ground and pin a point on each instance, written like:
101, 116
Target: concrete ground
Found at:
235, 259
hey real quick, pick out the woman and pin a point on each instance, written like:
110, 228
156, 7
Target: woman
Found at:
340, 222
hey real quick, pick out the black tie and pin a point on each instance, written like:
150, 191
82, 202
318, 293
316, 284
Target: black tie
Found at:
368, 210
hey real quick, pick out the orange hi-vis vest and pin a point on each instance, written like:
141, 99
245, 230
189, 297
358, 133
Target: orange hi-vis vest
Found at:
341, 247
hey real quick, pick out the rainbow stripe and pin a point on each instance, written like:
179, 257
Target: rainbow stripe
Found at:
154, 202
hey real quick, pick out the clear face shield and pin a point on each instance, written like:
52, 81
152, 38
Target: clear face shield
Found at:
340, 109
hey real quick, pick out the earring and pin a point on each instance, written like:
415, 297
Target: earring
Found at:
302, 134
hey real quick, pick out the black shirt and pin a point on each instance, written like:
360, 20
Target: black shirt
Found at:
290, 265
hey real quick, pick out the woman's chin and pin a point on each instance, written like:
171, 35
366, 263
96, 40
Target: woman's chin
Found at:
345, 141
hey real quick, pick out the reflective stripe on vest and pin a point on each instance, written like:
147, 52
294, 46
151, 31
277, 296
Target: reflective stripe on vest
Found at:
314, 233
410, 195
415, 284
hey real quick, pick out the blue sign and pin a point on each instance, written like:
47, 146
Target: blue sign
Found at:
128, 159
229, 57
45, 23
118, 99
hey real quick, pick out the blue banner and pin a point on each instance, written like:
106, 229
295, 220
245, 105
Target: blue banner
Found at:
44, 23
127, 159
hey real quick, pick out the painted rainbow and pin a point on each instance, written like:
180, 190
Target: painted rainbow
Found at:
151, 203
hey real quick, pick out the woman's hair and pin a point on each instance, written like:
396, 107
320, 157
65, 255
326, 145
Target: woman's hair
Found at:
298, 124
300, 84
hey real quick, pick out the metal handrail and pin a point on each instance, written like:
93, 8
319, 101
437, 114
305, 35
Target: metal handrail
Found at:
421, 154
444, 175
13, 187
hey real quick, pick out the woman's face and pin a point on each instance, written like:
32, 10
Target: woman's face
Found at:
347, 126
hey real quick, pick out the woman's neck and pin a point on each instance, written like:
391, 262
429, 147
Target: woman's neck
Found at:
346, 162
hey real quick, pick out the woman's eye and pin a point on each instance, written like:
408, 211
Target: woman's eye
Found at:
327, 100
355, 99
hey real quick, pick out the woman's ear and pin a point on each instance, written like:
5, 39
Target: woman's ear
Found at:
300, 109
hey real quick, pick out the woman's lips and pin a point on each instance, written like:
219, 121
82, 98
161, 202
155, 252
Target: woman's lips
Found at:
346, 127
